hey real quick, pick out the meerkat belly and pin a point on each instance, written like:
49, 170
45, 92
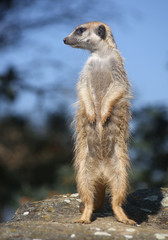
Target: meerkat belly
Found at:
100, 83
102, 139
97, 137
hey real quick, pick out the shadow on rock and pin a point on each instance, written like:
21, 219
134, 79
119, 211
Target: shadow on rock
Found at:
139, 206
143, 203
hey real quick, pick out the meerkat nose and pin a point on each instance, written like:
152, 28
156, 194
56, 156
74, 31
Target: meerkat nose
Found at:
65, 40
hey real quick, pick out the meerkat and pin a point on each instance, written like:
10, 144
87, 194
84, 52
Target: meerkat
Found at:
102, 122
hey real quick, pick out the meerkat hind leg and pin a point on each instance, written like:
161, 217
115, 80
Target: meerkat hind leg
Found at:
85, 190
118, 210
118, 188
119, 185
90, 205
87, 213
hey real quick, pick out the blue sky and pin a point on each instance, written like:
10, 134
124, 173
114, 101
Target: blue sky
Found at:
141, 34
145, 48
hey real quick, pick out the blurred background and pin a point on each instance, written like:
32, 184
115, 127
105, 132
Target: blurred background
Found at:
38, 75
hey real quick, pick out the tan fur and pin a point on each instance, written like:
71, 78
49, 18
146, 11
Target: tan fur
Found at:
102, 123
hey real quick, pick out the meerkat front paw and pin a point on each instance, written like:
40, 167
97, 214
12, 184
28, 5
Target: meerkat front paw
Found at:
91, 116
105, 117
106, 110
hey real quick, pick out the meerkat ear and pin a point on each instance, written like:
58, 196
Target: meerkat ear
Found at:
101, 31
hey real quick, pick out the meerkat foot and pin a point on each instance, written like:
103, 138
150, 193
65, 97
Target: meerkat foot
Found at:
126, 221
131, 222
83, 221
121, 216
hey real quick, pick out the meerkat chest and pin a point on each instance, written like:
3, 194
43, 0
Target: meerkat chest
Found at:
100, 76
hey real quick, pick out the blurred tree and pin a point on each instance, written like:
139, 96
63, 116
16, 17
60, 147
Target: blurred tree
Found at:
149, 149
30, 161
8, 84
14, 24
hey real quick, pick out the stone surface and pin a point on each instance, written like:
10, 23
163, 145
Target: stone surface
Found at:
54, 219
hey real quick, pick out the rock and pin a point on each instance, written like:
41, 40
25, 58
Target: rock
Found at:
54, 219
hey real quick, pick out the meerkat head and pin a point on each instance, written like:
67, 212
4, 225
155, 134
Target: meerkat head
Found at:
93, 36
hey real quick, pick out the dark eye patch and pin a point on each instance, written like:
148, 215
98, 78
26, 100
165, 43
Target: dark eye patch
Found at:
80, 30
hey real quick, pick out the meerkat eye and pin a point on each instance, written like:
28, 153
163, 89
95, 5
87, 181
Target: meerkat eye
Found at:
80, 30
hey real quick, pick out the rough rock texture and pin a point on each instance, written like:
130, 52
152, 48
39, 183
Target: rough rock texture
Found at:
54, 219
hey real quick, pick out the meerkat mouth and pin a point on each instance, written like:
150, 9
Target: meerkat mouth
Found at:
67, 42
